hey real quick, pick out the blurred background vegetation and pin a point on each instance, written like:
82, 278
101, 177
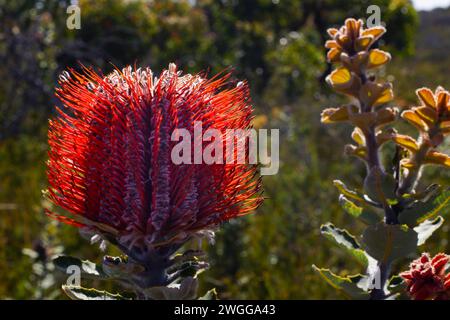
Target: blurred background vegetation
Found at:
277, 45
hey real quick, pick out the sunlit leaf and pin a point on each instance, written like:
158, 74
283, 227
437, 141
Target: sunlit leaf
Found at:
426, 229
210, 295
345, 239
87, 268
421, 211
363, 213
80, 293
348, 286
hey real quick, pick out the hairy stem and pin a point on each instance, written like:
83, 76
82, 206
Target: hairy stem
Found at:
373, 159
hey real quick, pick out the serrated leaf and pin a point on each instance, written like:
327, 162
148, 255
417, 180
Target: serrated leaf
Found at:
88, 269
345, 239
80, 293
120, 267
426, 229
210, 295
387, 243
349, 285
341, 236
421, 211
186, 290
365, 214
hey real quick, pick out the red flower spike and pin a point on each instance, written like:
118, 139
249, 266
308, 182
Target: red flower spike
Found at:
110, 155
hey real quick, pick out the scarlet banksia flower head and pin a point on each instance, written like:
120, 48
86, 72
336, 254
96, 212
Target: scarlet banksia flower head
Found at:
110, 161
426, 278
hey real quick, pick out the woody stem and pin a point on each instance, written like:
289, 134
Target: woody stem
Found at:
373, 161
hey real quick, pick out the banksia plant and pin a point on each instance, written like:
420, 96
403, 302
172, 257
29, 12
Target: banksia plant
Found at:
399, 213
111, 170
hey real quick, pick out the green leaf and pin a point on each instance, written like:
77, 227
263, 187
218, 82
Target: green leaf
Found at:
80, 293
341, 236
120, 267
210, 295
349, 285
344, 238
88, 269
380, 186
185, 290
387, 243
397, 287
431, 191
421, 211
365, 214
426, 229
346, 191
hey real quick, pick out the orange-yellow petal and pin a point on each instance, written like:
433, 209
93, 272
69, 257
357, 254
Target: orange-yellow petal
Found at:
407, 163
332, 32
434, 157
426, 114
362, 43
330, 44
415, 120
375, 32
358, 137
385, 96
445, 127
332, 115
377, 58
427, 97
334, 54
340, 77
442, 98
352, 26
407, 142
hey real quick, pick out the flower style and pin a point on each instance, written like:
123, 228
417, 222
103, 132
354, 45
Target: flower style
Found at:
426, 277
110, 162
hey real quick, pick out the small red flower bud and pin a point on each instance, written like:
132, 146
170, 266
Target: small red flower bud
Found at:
426, 277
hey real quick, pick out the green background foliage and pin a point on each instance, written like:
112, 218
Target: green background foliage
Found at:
278, 47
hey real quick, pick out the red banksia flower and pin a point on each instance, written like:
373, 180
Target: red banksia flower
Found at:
110, 162
426, 277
